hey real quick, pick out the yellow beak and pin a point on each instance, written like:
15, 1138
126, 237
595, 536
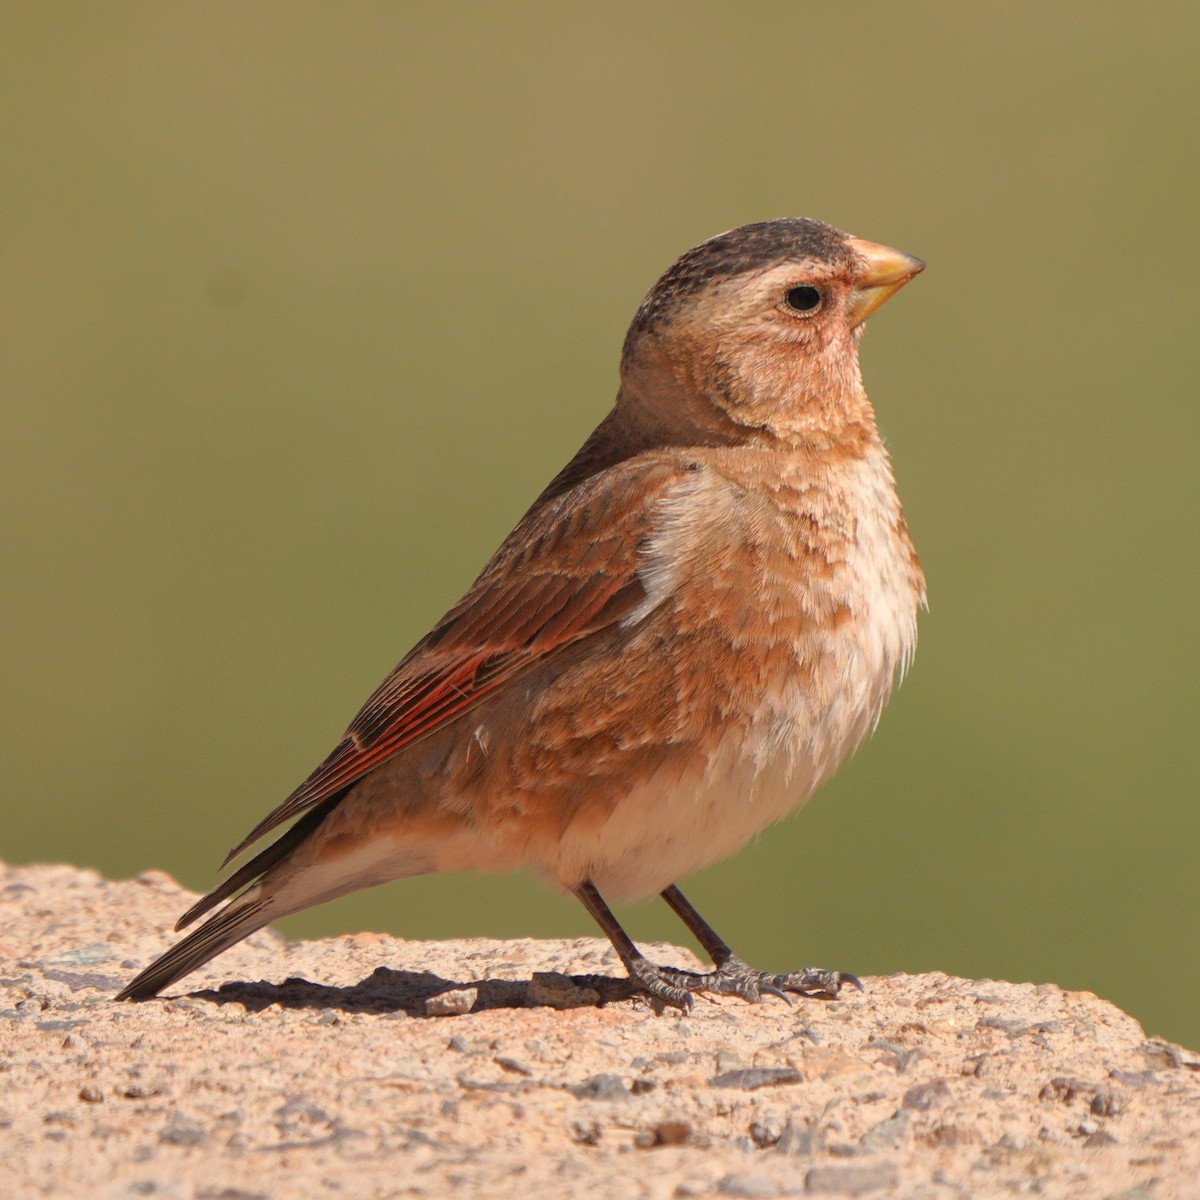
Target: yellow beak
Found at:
883, 272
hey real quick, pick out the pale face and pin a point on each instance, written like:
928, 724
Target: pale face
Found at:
764, 345
753, 336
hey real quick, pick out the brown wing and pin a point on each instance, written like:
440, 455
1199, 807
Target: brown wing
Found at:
568, 570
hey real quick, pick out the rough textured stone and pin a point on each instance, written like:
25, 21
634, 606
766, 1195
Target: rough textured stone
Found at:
298, 1069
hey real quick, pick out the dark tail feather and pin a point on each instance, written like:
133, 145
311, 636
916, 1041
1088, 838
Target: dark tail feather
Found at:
262, 861
240, 919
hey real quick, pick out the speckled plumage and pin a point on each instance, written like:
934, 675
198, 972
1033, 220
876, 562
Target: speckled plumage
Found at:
694, 624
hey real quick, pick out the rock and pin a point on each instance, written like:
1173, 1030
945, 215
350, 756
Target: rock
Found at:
889, 1134
601, 1087
283, 1068
555, 990
925, 1096
453, 1003
757, 1077
664, 1133
797, 1139
851, 1181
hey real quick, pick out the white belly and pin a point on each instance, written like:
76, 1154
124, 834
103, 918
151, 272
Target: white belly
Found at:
673, 824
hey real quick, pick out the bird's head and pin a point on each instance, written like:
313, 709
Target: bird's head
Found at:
754, 334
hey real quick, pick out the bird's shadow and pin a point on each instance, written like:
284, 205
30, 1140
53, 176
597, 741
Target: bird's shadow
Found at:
387, 991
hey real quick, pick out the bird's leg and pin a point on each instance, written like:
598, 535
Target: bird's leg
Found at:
733, 977
703, 932
657, 981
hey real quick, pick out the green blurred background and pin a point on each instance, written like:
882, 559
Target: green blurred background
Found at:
303, 303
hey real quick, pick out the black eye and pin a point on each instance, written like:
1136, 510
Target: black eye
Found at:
803, 299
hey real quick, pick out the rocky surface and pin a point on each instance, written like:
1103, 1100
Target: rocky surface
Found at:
374, 1067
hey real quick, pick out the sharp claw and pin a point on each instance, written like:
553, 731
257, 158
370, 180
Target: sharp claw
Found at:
661, 984
673, 986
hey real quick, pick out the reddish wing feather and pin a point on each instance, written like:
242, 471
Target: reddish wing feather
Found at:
568, 570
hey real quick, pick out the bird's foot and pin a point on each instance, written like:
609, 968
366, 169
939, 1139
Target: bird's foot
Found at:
662, 983
735, 978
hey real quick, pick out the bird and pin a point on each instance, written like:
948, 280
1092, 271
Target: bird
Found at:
697, 620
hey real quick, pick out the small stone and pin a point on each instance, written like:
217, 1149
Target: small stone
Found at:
454, 1003
796, 1139
766, 1132
925, 1095
1108, 1104
91, 1094
889, 1134
946, 1133
746, 1185
673, 1132
1134, 1079
181, 1131
665, 1133
515, 1065
601, 1087
846, 1149
1005, 1025
1170, 1055
1065, 1089
94, 952
852, 1181
586, 1133
977, 1065
750, 1079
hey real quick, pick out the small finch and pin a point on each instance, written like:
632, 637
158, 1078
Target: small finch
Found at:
700, 617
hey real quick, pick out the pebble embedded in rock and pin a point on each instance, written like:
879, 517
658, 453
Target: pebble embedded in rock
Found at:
752, 1078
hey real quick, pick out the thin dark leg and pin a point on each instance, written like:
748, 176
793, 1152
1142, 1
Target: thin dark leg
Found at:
702, 931
734, 977
645, 974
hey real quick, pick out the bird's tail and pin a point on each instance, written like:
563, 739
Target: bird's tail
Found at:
238, 919
281, 879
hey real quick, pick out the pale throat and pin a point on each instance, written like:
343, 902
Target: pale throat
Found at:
743, 390
818, 402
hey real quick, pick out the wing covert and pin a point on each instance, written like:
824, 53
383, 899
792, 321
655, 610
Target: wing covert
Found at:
568, 570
